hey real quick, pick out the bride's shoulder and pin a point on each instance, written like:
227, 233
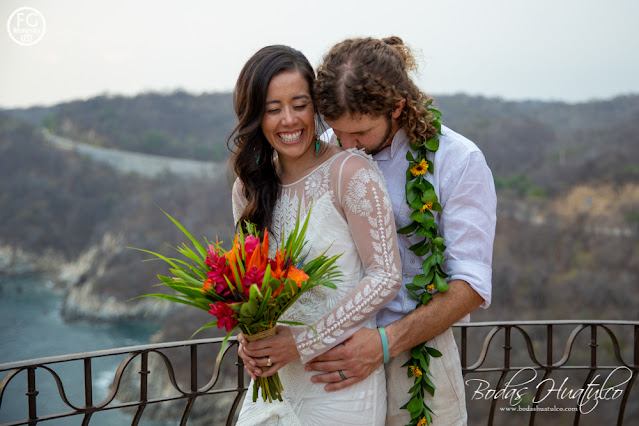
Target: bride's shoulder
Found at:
350, 161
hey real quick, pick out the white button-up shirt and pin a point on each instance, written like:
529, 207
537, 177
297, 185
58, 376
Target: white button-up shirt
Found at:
465, 189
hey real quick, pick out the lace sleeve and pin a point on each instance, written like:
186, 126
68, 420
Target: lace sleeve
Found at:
239, 203
361, 193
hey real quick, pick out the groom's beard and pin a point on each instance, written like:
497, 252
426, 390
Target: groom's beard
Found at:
386, 140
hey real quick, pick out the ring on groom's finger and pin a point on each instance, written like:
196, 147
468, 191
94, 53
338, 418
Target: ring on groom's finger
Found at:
268, 362
341, 374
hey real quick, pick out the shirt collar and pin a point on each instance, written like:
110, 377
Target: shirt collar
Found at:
399, 140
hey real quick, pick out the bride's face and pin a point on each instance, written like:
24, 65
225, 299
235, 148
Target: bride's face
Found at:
289, 118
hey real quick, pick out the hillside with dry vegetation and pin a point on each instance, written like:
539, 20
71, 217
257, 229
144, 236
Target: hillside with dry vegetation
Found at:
567, 178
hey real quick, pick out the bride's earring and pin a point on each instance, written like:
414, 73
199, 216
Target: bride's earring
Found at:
317, 146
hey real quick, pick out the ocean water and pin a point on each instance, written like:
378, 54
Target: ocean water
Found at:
31, 327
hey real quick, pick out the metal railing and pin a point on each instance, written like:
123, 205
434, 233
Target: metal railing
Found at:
540, 352
89, 407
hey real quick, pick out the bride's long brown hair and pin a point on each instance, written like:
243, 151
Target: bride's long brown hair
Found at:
252, 158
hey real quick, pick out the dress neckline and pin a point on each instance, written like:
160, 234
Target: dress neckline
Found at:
328, 160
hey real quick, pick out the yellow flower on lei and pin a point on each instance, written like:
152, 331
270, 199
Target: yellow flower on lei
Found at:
427, 206
419, 169
422, 421
415, 370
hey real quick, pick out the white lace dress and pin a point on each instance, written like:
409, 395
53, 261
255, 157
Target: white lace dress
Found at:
351, 214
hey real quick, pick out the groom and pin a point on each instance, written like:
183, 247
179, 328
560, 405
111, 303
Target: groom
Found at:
366, 96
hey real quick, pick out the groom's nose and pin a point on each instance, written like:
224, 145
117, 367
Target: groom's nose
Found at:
348, 141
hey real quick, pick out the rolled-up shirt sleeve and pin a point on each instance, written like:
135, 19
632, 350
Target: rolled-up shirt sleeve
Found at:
468, 221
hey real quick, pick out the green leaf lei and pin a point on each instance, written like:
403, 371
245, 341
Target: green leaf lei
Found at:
421, 197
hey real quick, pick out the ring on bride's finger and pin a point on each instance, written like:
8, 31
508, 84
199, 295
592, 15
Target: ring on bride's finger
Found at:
341, 374
268, 362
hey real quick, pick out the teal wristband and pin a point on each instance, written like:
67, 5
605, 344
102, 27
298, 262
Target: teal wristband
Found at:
382, 334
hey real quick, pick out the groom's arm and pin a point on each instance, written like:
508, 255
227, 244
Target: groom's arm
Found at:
362, 353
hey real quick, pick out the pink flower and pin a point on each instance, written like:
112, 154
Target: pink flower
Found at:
250, 244
252, 276
224, 314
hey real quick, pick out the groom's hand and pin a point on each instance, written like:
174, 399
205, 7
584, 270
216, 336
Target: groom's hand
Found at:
357, 358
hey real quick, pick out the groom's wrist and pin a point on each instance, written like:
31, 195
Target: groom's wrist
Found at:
394, 339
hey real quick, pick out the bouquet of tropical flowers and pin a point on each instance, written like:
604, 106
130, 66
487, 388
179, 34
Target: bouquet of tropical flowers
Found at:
243, 287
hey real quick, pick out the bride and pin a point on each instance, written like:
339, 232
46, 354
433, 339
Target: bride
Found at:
283, 167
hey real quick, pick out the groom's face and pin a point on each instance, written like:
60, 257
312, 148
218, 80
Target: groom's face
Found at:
364, 131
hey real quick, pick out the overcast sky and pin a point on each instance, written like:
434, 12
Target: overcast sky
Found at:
569, 50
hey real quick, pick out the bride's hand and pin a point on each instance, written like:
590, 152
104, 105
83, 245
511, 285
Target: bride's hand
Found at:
279, 349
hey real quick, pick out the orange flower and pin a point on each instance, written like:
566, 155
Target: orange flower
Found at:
278, 264
265, 243
296, 275
209, 286
232, 255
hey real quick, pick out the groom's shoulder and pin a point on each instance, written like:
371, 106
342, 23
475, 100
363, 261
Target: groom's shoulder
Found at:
451, 142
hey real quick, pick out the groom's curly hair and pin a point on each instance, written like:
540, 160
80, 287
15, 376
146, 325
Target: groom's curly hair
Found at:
369, 76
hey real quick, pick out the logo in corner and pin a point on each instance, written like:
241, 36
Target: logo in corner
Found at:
26, 26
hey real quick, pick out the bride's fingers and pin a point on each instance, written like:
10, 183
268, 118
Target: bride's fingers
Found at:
245, 357
250, 372
271, 370
258, 353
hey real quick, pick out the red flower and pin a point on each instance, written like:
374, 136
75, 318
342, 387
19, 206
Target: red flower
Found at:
224, 314
218, 265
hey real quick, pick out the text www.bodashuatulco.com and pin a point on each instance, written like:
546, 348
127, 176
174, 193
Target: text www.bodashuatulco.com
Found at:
554, 408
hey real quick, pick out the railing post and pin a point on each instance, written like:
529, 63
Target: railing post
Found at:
636, 360
31, 394
549, 345
593, 347
464, 338
507, 347
194, 386
144, 376
88, 383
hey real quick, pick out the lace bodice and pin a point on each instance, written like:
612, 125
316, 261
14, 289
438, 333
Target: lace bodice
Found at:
351, 214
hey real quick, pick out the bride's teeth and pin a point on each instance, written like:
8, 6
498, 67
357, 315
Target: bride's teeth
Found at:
288, 137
